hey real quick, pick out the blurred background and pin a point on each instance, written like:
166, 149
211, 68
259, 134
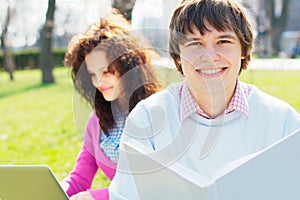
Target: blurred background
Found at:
34, 34
44, 123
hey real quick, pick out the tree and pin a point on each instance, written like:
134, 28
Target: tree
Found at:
125, 7
8, 63
46, 55
277, 22
271, 20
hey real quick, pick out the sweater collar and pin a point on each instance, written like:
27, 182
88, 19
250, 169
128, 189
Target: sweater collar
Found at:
188, 105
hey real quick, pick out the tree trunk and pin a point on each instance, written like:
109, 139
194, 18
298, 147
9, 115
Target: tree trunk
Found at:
46, 55
8, 63
125, 7
277, 23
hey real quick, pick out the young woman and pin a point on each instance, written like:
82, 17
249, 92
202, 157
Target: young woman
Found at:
113, 73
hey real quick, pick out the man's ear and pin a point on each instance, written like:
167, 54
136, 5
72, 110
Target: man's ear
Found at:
178, 65
178, 60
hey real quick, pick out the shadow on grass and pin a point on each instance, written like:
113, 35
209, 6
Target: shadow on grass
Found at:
25, 89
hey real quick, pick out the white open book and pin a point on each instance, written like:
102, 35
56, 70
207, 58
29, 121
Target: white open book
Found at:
270, 174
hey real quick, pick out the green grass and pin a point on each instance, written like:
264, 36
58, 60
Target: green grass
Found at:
37, 123
282, 84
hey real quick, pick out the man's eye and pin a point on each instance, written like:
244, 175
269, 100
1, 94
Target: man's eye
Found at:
193, 44
224, 41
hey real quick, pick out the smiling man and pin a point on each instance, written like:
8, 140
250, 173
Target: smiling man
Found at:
211, 63
211, 118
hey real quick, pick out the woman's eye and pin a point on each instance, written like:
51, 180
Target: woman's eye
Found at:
105, 72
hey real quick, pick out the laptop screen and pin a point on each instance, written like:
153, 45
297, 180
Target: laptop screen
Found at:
34, 182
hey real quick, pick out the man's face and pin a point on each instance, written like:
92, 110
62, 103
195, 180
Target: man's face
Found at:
211, 62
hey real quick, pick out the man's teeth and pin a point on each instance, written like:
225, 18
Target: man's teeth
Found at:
210, 71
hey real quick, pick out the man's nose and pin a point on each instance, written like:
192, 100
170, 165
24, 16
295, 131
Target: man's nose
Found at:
209, 53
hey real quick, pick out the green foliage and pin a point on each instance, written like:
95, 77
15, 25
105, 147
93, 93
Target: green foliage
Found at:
29, 59
37, 123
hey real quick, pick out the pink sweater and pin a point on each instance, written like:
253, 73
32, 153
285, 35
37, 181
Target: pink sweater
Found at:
90, 159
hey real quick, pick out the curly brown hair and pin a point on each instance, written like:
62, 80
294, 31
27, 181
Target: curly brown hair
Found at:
126, 57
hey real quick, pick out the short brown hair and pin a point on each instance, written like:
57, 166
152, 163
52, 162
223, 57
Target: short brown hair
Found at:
221, 14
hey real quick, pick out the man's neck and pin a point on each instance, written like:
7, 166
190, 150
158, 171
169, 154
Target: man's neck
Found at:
214, 104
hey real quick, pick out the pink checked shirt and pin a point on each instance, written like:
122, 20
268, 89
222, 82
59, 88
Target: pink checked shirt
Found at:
188, 105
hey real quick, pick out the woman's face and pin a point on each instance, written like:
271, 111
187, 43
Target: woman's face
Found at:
105, 81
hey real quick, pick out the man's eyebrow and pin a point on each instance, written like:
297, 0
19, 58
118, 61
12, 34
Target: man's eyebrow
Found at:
191, 38
230, 36
188, 38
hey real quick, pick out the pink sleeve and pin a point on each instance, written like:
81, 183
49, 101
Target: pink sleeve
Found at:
90, 159
100, 194
81, 178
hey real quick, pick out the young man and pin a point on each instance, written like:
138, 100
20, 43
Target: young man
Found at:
211, 118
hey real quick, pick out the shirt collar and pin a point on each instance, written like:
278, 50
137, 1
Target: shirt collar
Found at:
188, 105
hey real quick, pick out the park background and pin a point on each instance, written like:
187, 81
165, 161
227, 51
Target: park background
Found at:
39, 123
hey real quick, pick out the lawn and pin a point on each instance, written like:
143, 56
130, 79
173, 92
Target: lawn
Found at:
39, 125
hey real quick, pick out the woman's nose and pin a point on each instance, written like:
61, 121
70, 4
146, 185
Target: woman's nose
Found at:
98, 80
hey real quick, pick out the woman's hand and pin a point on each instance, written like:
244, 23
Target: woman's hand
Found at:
82, 196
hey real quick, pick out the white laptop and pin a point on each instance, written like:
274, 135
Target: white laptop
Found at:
29, 182
273, 173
